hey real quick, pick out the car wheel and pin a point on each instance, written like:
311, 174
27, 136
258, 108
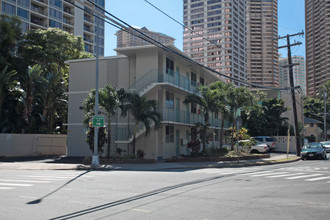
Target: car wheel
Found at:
254, 151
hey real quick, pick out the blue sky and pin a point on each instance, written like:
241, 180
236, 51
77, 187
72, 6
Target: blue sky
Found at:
291, 19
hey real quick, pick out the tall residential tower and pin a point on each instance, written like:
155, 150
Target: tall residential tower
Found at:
59, 14
317, 21
216, 35
262, 52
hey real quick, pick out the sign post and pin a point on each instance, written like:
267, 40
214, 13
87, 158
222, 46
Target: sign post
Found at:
98, 121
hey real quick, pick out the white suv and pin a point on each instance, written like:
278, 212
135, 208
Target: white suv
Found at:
266, 140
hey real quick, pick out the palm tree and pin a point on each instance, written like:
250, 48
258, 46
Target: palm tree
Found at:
28, 83
143, 111
6, 83
222, 89
50, 96
108, 101
273, 109
207, 103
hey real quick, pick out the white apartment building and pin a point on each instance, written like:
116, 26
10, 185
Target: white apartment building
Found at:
299, 72
59, 14
151, 72
216, 35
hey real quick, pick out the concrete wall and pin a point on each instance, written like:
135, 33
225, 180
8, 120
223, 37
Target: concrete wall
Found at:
281, 144
22, 145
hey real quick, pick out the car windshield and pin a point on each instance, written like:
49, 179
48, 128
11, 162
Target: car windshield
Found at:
269, 139
312, 146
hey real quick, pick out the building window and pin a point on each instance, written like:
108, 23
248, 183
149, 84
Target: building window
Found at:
169, 66
23, 13
55, 14
57, 3
8, 8
169, 102
55, 24
193, 108
201, 81
24, 3
169, 133
193, 79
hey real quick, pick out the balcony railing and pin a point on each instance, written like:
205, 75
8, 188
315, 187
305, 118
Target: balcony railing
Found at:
158, 76
170, 115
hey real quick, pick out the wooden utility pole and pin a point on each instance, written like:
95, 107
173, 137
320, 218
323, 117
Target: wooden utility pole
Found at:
294, 104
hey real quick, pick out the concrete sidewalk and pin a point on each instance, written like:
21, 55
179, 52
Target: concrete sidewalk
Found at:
52, 164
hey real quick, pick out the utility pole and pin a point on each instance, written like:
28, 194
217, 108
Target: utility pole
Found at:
95, 158
325, 116
294, 104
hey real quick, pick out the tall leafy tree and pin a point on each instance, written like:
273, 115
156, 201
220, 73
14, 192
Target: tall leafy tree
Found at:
207, 102
10, 35
239, 98
108, 104
273, 110
143, 111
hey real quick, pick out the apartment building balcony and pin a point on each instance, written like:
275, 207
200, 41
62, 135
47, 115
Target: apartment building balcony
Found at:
88, 19
169, 116
39, 10
88, 39
68, 10
162, 76
40, 2
88, 29
68, 29
67, 21
38, 21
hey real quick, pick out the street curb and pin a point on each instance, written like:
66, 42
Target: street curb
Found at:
225, 165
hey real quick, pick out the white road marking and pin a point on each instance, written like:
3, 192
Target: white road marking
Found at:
303, 176
283, 175
319, 178
268, 174
14, 184
141, 210
51, 177
28, 197
6, 187
258, 172
24, 181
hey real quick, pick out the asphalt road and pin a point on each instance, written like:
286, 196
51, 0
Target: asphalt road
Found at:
299, 190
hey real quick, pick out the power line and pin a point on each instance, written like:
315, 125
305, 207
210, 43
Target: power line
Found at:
128, 28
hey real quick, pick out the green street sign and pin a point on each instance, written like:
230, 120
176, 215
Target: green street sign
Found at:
98, 121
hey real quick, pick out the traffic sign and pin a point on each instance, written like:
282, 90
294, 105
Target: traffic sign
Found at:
98, 121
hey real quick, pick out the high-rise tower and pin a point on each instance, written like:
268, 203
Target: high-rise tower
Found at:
216, 35
262, 33
60, 14
317, 14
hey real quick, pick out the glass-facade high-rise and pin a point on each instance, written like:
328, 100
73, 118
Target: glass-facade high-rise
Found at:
59, 14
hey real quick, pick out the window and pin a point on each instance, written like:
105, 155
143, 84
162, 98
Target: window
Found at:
24, 3
169, 66
193, 79
54, 24
169, 102
8, 8
57, 3
193, 108
169, 133
22, 13
201, 81
55, 14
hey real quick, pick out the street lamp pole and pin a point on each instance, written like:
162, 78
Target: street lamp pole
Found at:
95, 159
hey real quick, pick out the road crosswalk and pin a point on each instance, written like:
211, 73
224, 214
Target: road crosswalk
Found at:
14, 182
309, 174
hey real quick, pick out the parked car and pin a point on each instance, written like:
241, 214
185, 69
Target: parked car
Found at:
267, 140
313, 150
257, 147
326, 144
